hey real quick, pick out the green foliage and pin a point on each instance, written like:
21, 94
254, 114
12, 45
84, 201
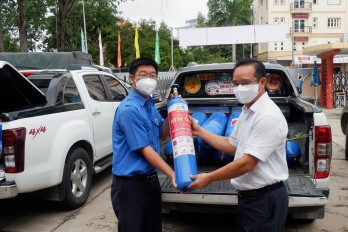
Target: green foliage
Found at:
101, 15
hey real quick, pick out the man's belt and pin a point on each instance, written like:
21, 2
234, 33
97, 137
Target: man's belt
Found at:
145, 178
261, 191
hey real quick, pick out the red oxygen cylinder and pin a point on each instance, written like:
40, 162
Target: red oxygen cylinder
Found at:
183, 148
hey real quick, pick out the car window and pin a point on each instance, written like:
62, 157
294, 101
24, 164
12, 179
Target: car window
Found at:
71, 94
117, 90
95, 87
218, 84
42, 84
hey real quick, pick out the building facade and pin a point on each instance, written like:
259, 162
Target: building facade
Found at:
309, 23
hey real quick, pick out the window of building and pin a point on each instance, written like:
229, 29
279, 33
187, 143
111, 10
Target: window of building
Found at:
294, 46
334, 2
299, 25
315, 22
315, 2
282, 46
275, 46
299, 3
282, 2
276, 2
276, 20
333, 22
304, 45
282, 20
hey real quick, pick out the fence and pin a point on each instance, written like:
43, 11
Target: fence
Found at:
163, 82
340, 89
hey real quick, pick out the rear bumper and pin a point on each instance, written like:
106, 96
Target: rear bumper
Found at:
232, 199
8, 189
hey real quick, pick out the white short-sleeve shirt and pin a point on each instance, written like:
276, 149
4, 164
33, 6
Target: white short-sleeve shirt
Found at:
261, 132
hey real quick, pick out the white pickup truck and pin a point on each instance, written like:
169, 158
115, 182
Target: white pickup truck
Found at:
207, 89
54, 142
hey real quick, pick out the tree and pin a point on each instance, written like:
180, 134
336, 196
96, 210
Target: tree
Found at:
64, 8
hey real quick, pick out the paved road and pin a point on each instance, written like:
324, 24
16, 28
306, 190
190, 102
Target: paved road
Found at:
28, 213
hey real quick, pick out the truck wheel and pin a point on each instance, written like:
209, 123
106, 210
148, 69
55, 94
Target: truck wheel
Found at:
77, 178
346, 148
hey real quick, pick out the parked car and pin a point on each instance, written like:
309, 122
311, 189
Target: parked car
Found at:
344, 127
56, 131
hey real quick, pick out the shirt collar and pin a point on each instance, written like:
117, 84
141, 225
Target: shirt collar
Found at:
135, 96
259, 104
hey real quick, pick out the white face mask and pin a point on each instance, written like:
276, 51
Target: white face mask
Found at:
246, 93
146, 85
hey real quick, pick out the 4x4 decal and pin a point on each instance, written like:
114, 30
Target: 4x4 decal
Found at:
37, 131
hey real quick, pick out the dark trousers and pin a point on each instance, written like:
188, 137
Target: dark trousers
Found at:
137, 204
266, 212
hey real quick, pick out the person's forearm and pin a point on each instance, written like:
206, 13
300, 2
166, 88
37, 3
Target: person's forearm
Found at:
220, 143
165, 129
155, 160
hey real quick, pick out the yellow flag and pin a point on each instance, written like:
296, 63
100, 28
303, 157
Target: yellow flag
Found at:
136, 44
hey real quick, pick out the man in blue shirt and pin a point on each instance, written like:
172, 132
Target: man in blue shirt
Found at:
136, 133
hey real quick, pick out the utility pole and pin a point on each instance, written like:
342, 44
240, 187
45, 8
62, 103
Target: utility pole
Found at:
292, 42
84, 24
171, 49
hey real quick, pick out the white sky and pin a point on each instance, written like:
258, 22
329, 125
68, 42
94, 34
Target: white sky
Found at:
173, 12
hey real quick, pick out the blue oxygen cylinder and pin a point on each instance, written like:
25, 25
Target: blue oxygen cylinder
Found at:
231, 123
293, 153
183, 148
200, 118
221, 158
216, 124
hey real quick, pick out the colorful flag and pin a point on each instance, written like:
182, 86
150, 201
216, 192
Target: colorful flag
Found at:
101, 55
119, 58
83, 47
136, 44
157, 50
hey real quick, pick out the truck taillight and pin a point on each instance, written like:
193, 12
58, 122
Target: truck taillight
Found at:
13, 150
322, 151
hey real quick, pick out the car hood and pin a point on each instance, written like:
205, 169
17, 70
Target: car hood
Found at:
16, 91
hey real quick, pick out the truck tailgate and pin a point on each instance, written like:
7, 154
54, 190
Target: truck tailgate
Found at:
298, 186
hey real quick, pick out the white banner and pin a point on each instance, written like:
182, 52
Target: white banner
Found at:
232, 35
338, 59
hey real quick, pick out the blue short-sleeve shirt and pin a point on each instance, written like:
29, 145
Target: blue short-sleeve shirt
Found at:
137, 124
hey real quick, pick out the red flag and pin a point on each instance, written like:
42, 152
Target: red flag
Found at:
119, 59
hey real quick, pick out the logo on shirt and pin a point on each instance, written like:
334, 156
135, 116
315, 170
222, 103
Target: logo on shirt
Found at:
156, 121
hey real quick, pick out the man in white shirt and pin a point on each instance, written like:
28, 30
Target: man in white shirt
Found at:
258, 144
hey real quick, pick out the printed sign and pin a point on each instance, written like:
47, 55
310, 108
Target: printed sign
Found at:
218, 87
180, 127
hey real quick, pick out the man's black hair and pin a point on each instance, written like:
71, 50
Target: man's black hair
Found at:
140, 62
260, 69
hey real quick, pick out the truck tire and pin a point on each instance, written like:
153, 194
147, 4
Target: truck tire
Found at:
346, 147
77, 178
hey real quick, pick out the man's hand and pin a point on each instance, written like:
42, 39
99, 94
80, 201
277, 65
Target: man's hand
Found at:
195, 127
201, 181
